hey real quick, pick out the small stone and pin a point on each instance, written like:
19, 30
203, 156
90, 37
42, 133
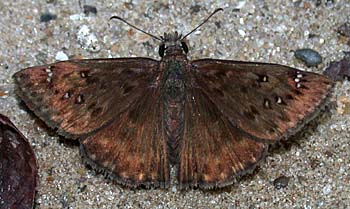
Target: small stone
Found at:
195, 9
240, 5
346, 109
89, 9
329, 2
343, 105
281, 182
344, 29
327, 189
2, 93
174, 189
50, 179
131, 32
61, 56
46, 17
307, 5
88, 40
241, 32
318, 3
309, 56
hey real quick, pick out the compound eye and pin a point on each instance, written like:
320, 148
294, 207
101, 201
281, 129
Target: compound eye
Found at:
184, 46
161, 50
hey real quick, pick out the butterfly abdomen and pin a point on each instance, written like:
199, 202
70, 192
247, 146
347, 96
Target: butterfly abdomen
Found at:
173, 93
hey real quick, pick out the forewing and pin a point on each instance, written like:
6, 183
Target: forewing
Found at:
80, 96
213, 152
132, 149
267, 101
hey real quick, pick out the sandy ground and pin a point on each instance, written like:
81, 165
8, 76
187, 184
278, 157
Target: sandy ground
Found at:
317, 159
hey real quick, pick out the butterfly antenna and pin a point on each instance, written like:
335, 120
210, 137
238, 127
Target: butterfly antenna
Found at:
133, 26
206, 20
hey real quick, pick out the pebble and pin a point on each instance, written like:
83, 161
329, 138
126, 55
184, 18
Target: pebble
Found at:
241, 32
3, 94
344, 29
195, 9
281, 182
47, 17
309, 56
89, 9
88, 39
327, 189
61, 56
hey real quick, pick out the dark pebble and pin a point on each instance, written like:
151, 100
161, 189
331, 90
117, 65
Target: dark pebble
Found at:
89, 9
195, 8
344, 29
297, 3
340, 70
318, 3
329, 2
218, 24
326, 2
281, 182
46, 17
310, 57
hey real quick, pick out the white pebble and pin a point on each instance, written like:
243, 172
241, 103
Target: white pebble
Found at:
241, 32
61, 56
327, 189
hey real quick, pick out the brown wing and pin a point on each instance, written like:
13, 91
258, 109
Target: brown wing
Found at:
213, 151
267, 101
80, 96
132, 149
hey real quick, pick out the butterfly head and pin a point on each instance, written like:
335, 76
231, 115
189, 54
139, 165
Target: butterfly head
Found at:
172, 43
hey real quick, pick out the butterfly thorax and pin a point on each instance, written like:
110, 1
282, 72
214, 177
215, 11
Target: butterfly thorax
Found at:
173, 93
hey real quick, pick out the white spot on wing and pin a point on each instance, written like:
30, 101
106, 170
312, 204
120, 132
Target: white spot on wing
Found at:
279, 100
66, 95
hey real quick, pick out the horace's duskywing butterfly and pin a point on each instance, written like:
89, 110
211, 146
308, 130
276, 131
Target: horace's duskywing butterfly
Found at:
211, 118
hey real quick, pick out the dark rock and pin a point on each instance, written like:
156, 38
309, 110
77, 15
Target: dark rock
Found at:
195, 8
344, 29
281, 182
310, 57
89, 9
46, 17
318, 3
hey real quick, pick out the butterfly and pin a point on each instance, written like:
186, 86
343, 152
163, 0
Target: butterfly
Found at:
134, 117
